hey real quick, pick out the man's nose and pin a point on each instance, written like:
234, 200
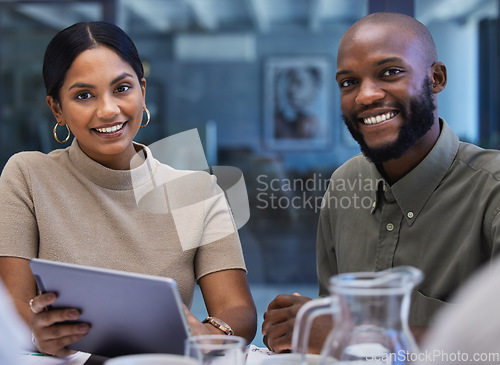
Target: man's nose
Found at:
369, 92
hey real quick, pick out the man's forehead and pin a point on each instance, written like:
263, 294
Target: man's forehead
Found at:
376, 38
377, 32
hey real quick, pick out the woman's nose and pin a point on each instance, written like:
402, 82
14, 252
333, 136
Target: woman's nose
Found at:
369, 92
107, 108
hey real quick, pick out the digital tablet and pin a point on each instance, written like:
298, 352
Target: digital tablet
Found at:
128, 313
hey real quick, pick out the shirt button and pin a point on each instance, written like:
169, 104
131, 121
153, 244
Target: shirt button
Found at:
389, 227
410, 215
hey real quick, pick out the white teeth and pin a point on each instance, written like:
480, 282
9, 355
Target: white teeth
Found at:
110, 129
379, 118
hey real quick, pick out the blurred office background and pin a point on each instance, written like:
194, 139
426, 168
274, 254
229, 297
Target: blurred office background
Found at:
220, 66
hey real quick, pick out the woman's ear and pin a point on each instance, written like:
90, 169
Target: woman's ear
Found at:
439, 77
143, 88
56, 109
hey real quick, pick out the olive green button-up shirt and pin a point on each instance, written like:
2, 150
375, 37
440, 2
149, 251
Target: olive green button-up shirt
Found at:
442, 217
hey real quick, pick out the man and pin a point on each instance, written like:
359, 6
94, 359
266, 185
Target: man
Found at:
419, 197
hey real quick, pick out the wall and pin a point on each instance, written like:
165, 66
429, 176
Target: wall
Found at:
231, 94
457, 45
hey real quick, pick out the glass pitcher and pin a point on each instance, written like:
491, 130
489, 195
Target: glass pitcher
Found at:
370, 312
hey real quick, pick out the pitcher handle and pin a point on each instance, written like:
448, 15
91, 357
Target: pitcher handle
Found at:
307, 314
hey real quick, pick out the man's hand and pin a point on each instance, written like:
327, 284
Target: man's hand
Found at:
279, 320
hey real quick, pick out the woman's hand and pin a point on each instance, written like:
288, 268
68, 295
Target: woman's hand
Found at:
197, 327
50, 334
228, 298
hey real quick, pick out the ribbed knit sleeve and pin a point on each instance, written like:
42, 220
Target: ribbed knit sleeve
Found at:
220, 247
18, 224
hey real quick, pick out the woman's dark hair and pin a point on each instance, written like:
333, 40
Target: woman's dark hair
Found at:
70, 42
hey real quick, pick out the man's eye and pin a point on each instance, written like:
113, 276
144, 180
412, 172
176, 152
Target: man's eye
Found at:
83, 96
391, 72
346, 83
122, 88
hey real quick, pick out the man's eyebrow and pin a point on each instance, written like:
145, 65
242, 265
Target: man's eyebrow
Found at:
378, 63
82, 85
389, 59
342, 72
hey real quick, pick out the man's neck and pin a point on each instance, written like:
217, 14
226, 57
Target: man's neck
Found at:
395, 169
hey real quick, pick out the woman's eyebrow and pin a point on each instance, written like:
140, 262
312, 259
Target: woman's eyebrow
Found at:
82, 85
122, 76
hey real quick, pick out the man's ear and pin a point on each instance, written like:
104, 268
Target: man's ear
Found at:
56, 109
439, 77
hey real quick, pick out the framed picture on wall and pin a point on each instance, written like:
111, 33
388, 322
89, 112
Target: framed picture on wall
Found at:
296, 95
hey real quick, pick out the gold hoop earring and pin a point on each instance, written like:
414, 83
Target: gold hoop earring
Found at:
149, 117
55, 133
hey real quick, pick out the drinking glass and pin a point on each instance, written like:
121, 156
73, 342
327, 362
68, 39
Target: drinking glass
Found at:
216, 349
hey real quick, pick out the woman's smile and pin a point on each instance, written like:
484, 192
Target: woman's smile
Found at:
112, 131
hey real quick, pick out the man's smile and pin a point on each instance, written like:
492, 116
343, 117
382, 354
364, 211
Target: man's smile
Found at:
379, 118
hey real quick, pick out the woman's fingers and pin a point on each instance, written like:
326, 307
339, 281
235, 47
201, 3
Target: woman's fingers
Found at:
61, 331
57, 346
53, 340
51, 331
40, 303
53, 316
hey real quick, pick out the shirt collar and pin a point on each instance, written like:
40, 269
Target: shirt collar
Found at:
114, 179
414, 190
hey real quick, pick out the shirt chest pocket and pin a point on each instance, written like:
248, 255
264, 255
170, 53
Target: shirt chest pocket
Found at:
356, 237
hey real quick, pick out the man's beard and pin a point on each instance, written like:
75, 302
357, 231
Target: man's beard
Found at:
418, 120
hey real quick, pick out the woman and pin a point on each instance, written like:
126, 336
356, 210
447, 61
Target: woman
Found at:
105, 201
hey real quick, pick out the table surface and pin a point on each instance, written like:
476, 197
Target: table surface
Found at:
255, 356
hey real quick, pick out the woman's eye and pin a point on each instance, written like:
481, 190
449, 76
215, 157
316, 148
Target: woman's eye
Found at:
391, 72
83, 96
122, 88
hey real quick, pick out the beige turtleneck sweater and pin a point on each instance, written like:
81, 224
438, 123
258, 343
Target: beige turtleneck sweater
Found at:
152, 219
